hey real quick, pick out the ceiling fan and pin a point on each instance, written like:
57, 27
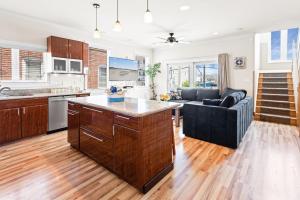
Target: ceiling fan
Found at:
171, 40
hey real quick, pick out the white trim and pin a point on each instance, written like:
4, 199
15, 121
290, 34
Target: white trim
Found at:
15, 64
283, 45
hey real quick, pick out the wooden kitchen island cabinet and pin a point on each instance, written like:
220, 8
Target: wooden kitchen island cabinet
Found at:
133, 139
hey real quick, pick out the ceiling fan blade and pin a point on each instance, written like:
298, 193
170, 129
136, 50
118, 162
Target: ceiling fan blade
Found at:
184, 42
161, 38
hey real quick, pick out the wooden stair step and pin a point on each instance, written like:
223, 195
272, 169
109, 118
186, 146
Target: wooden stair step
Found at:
276, 97
276, 111
276, 119
280, 74
274, 103
276, 91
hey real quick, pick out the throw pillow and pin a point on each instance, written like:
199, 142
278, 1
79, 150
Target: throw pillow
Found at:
229, 91
212, 102
227, 102
175, 95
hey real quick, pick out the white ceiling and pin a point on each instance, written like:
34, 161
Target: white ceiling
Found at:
205, 17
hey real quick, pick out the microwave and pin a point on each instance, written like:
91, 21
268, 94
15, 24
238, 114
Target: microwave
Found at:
64, 65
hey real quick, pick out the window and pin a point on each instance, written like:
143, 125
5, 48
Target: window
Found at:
292, 40
173, 77
21, 65
275, 45
206, 75
102, 76
282, 44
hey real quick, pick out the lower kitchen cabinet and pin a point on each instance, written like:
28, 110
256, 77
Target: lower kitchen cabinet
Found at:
10, 125
98, 147
73, 128
34, 120
126, 153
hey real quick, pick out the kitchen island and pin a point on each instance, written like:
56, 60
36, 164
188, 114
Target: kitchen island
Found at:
133, 139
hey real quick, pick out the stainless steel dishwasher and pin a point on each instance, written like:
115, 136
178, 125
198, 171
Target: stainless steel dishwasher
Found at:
58, 113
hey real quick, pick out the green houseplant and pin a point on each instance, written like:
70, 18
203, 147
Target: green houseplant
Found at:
152, 71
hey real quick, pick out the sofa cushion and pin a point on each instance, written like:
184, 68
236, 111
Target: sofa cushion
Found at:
207, 94
195, 103
179, 101
229, 91
188, 94
212, 102
227, 102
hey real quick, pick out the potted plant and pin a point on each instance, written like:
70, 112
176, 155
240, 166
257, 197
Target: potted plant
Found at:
152, 71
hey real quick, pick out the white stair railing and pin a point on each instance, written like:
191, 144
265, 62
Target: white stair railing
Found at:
296, 73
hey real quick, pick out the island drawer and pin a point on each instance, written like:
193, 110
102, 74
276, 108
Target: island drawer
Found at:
97, 120
126, 121
98, 148
73, 106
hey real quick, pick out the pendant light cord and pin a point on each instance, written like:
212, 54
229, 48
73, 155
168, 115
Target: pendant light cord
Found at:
96, 18
147, 5
117, 10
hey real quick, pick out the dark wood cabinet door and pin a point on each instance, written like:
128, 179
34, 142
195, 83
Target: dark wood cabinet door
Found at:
85, 54
10, 125
34, 120
97, 120
75, 49
59, 47
126, 153
97, 147
73, 128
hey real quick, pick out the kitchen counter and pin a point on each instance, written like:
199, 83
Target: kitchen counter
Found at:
131, 106
41, 95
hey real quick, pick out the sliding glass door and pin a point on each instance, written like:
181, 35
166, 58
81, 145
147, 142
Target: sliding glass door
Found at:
206, 75
195, 74
179, 76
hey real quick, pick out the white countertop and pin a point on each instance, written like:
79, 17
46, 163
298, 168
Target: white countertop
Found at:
40, 95
131, 106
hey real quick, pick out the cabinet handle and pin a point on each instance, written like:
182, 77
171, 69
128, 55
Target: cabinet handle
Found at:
99, 111
100, 140
18, 111
24, 111
113, 130
122, 117
71, 104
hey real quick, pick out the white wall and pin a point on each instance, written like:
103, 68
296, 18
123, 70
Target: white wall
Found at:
235, 46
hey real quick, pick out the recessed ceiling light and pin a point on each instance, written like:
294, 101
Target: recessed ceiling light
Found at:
215, 33
184, 8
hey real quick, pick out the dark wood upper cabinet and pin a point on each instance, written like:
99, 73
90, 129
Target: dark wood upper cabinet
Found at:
34, 120
59, 47
75, 49
10, 125
66, 48
85, 54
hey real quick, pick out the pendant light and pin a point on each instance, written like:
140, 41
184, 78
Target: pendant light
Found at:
118, 26
148, 15
97, 33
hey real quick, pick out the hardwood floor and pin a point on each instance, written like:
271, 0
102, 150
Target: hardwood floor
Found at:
266, 166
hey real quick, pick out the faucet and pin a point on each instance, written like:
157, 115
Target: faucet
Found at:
4, 88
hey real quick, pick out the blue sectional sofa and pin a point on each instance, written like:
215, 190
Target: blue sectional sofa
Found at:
216, 122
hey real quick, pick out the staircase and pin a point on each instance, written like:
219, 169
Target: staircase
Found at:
275, 98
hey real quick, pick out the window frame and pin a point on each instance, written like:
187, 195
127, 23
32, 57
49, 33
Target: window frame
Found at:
44, 78
188, 63
283, 47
